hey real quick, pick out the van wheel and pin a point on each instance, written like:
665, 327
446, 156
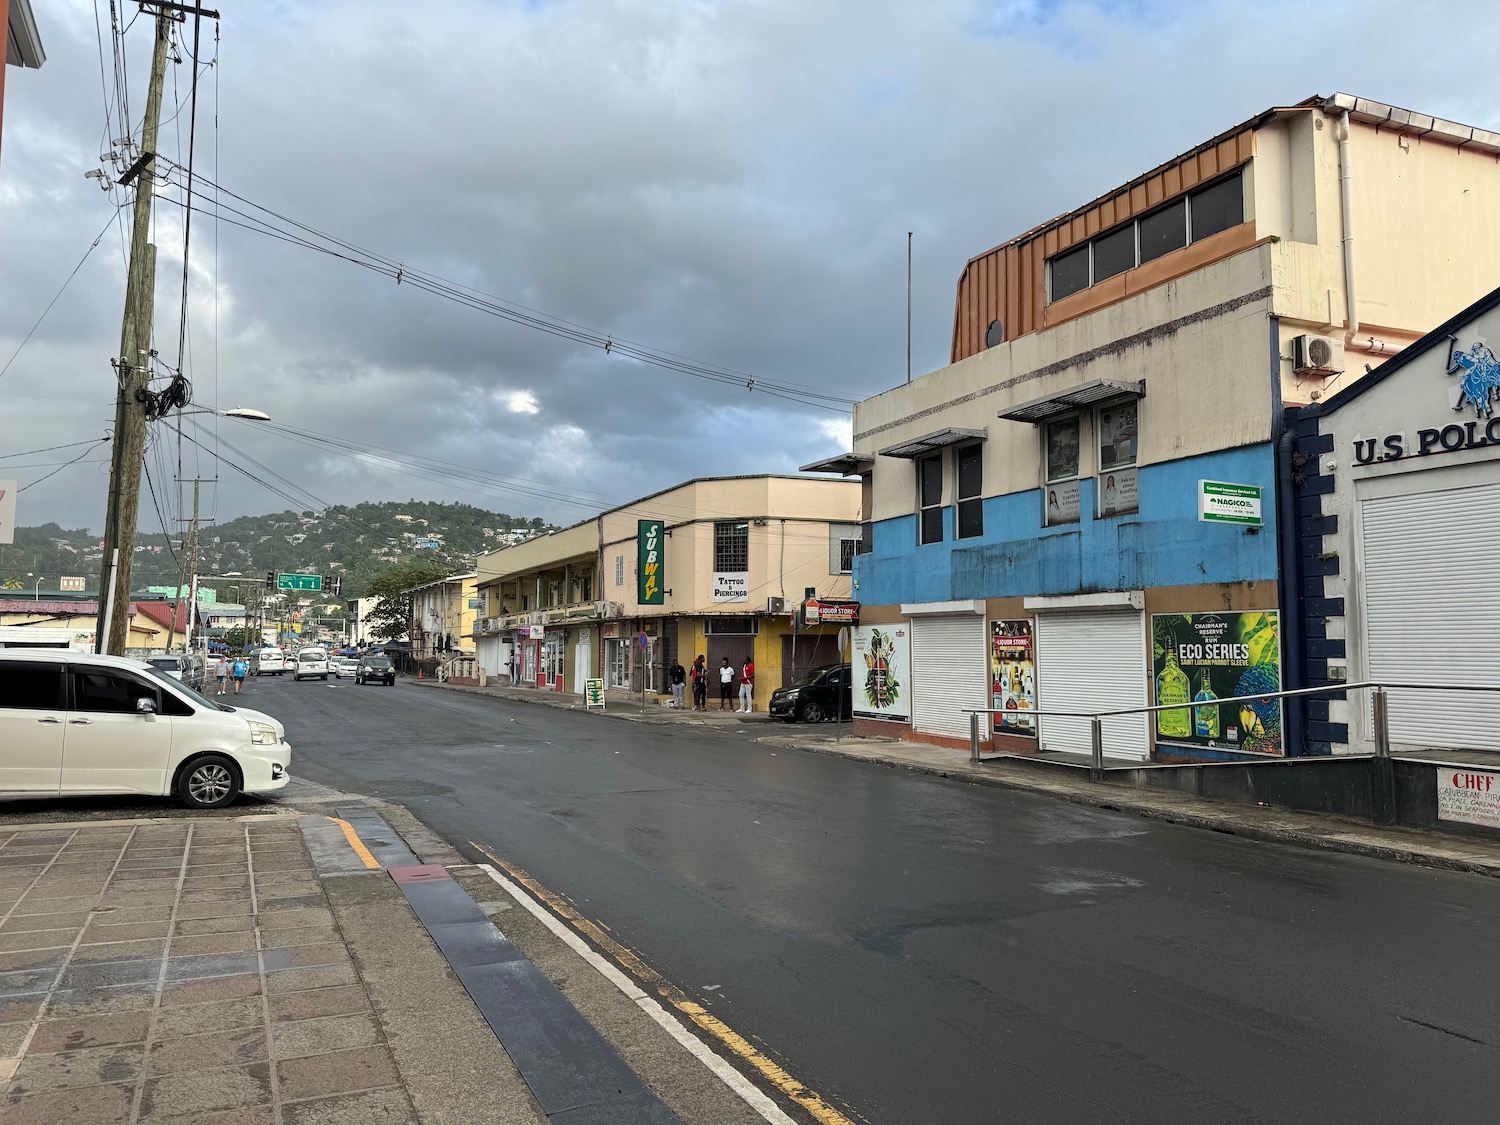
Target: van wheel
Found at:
209, 782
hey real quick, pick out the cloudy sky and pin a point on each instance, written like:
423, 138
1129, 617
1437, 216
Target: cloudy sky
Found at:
725, 180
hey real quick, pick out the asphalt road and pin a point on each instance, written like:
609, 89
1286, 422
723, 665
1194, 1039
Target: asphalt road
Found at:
924, 951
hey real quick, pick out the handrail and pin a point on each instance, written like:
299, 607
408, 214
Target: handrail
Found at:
1096, 718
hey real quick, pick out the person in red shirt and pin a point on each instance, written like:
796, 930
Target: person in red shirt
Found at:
747, 686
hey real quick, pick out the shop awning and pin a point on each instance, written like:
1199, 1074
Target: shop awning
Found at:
845, 464
931, 443
1100, 390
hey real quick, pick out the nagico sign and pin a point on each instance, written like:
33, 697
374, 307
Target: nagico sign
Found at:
650, 573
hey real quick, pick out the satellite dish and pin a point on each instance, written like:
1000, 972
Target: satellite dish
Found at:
994, 334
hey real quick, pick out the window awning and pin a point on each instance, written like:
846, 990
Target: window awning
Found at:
931, 443
1100, 390
845, 464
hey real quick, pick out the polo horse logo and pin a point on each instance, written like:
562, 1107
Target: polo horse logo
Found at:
1481, 379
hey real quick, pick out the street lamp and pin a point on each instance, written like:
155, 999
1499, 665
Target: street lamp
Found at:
233, 412
36, 591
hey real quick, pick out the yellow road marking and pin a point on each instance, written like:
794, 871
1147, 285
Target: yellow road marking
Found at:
355, 842
820, 1110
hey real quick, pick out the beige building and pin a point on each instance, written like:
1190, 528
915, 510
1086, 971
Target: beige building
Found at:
738, 555
442, 617
1037, 534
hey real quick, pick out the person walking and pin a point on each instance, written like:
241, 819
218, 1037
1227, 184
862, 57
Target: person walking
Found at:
241, 666
726, 685
700, 685
221, 672
747, 686
676, 676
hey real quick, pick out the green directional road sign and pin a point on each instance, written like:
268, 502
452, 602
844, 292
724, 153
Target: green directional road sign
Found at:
299, 582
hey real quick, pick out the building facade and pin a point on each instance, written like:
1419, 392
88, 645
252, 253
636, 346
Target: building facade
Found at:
1080, 513
713, 567
22, 45
442, 617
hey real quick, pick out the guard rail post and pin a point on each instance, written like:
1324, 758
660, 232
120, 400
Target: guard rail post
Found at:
1096, 734
974, 736
1383, 773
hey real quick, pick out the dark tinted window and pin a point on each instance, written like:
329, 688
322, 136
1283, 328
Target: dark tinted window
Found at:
1070, 272
1114, 253
931, 472
31, 687
1164, 231
109, 692
378, 663
1218, 207
932, 525
970, 484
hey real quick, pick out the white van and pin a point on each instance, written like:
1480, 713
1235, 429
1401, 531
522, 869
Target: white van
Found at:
74, 723
268, 661
311, 662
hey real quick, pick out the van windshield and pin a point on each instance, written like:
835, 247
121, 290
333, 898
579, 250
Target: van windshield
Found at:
807, 679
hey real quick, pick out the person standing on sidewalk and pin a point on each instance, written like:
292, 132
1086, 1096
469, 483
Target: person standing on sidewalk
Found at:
676, 676
726, 685
747, 686
241, 666
221, 672
700, 685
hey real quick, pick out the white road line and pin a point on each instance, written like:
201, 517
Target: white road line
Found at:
752, 1095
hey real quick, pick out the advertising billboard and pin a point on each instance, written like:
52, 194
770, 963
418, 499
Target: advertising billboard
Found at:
881, 663
1013, 676
1199, 658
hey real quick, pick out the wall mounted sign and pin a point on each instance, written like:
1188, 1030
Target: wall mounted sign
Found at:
1200, 658
1469, 796
1477, 388
882, 672
1013, 676
1222, 502
731, 586
650, 574
815, 612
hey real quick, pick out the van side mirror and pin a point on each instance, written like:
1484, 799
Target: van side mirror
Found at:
145, 706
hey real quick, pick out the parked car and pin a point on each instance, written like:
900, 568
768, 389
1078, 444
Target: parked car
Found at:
343, 667
311, 662
188, 667
269, 661
375, 670
77, 723
819, 694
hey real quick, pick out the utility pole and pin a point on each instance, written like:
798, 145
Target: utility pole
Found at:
133, 375
187, 575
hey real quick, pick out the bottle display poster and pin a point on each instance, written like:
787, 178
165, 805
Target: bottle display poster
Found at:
1013, 677
1200, 658
881, 663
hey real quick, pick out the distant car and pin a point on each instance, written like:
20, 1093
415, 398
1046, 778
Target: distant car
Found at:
375, 670
269, 661
188, 667
819, 694
311, 662
343, 667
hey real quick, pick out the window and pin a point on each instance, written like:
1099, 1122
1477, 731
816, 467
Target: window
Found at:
108, 692
731, 626
843, 545
1118, 433
930, 499
731, 548
31, 687
1060, 455
848, 548
1189, 218
970, 484
619, 570
586, 587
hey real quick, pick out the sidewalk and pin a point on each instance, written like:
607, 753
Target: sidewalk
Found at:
311, 969
1283, 826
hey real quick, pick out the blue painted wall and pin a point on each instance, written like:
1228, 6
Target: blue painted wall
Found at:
1164, 544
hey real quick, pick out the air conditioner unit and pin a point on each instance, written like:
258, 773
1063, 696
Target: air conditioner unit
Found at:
601, 609
775, 605
1317, 355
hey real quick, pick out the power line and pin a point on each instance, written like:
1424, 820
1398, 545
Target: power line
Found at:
92, 245
57, 470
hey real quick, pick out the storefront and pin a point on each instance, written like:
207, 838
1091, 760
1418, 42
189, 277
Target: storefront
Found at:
1398, 480
949, 666
553, 646
1091, 656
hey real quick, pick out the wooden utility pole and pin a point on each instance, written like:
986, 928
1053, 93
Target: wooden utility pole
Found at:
133, 373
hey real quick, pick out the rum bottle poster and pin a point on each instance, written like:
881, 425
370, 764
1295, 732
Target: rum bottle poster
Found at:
1201, 658
1013, 677
881, 663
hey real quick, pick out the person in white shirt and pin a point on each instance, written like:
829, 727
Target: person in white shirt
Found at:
726, 685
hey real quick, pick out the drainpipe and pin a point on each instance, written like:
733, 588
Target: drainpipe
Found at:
1346, 215
1289, 537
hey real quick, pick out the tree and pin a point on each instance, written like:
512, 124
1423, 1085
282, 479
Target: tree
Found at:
392, 613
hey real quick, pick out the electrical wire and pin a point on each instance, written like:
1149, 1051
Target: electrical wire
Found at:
52, 448
167, 535
68, 281
57, 470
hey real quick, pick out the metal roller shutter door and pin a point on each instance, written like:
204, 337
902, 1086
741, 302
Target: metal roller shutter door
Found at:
949, 672
1093, 660
1432, 612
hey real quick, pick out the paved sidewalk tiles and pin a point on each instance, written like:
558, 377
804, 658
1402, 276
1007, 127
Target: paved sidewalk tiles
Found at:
163, 972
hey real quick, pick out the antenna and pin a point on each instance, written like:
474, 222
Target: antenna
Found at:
908, 306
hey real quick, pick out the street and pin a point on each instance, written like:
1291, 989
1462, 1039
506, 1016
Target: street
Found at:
920, 950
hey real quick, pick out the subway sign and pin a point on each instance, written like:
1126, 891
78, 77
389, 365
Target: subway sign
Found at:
650, 573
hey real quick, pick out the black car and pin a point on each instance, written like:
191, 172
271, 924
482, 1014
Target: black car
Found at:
375, 670
820, 694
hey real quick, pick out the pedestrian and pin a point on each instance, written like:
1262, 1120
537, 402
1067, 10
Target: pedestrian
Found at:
241, 666
700, 685
726, 685
221, 672
747, 686
676, 676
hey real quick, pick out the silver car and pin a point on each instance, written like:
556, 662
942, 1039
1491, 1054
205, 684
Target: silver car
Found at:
188, 667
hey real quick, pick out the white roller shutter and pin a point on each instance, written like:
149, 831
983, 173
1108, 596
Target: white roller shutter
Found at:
949, 672
1432, 612
1092, 660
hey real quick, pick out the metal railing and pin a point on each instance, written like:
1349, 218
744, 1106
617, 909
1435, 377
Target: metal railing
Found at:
1380, 712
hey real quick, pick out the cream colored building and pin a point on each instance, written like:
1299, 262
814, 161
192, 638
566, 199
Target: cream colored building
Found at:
1105, 364
738, 556
442, 617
